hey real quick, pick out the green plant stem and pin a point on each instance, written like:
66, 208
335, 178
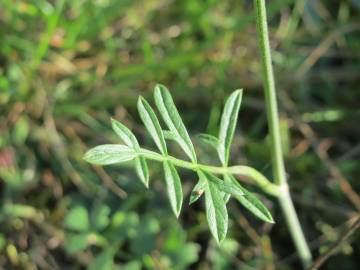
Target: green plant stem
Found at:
274, 130
245, 171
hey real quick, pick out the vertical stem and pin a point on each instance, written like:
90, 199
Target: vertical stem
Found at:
274, 130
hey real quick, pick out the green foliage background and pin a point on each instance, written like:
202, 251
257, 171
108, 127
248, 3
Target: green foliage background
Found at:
66, 67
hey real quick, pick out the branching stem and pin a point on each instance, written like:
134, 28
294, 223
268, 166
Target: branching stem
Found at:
274, 131
253, 174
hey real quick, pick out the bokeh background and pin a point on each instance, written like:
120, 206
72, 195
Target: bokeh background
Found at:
66, 67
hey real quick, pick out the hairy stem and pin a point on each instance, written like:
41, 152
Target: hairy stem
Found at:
245, 171
276, 148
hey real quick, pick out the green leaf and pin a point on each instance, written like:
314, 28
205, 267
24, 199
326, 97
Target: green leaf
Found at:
152, 124
224, 186
251, 202
125, 134
109, 154
174, 188
216, 212
169, 135
170, 114
142, 170
100, 217
77, 242
198, 190
209, 139
77, 219
130, 140
104, 261
228, 125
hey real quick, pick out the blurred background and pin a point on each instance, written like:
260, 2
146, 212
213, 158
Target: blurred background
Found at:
66, 67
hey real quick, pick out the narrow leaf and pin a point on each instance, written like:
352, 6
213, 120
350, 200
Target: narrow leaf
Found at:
169, 135
130, 140
251, 202
228, 125
198, 190
216, 212
125, 134
170, 114
142, 170
210, 140
152, 124
173, 186
224, 186
109, 154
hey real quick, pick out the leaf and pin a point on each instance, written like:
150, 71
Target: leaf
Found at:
224, 186
198, 190
216, 212
228, 125
169, 135
125, 134
174, 188
251, 202
103, 261
109, 154
170, 114
130, 140
100, 217
77, 242
209, 139
77, 219
142, 170
152, 124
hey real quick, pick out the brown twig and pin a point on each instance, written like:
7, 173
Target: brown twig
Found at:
345, 235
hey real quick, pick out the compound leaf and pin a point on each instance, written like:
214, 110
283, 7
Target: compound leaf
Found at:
170, 114
109, 154
173, 186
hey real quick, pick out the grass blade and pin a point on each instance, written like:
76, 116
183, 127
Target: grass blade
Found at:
174, 188
152, 124
228, 125
216, 212
109, 154
170, 114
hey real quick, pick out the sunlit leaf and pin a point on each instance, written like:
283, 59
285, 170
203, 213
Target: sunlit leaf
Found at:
109, 154
142, 170
130, 140
173, 185
251, 202
152, 124
228, 125
216, 212
224, 186
170, 114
